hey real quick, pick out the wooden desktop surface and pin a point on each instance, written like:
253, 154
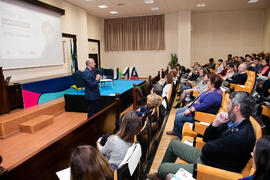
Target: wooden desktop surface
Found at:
21, 146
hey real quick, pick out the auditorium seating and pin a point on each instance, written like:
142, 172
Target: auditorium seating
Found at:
204, 172
202, 120
248, 86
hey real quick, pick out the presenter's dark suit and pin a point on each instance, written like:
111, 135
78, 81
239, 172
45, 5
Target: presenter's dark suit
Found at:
92, 94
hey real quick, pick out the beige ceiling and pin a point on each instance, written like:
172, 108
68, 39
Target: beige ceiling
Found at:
139, 8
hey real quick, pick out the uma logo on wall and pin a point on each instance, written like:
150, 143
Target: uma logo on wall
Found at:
119, 73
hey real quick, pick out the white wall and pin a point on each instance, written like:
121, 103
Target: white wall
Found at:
75, 21
266, 31
220, 33
184, 38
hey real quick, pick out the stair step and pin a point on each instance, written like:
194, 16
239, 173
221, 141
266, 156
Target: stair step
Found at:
36, 123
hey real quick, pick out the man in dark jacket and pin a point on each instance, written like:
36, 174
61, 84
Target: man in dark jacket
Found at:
240, 77
229, 141
91, 88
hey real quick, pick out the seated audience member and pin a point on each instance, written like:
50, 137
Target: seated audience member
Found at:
178, 69
200, 87
210, 64
158, 89
192, 79
249, 60
225, 69
261, 160
166, 90
241, 60
229, 141
256, 66
264, 72
240, 77
229, 58
117, 145
209, 102
195, 74
228, 75
153, 100
230, 72
219, 67
266, 85
87, 164
174, 75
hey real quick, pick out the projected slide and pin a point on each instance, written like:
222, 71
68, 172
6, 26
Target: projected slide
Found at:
30, 36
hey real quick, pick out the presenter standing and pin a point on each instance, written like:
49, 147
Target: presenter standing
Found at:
91, 80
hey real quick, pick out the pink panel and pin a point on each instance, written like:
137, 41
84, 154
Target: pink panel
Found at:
30, 98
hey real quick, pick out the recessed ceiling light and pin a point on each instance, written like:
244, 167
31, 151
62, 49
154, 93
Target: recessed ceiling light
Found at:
88, 0
201, 5
155, 8
252, 1
113, 12
149, 1
102, 6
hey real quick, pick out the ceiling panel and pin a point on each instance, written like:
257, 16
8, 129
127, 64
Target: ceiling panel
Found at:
139, 8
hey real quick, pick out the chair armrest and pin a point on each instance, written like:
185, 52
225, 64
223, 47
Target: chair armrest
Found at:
188, 130
205, 172
204, 117
233, 85
195, 93
199, 143
196, 141
200, 127
265, 111
241, 88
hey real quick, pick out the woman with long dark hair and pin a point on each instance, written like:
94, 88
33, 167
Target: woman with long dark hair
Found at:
261, 160
87, 164
117, 145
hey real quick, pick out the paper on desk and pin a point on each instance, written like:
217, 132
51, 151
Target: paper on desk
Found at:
204, 123
182, 174
64, 174
190, 125
188, 142
132, 157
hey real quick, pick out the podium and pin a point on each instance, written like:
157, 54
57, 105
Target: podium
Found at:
10, 96
4, 107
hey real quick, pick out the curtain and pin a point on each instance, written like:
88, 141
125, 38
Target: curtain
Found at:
134, 33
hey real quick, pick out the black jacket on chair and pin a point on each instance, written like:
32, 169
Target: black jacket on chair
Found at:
240, 78
228, 149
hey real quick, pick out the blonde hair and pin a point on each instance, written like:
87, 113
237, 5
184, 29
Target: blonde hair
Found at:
153, 100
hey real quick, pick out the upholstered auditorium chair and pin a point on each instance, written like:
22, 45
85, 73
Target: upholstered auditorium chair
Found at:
248, 86
202, 120
123, 172
204, 172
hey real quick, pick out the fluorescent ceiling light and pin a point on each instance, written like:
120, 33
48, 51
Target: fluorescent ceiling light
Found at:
102, 6
113, 12
155, 8
201, 5
88, 0
252, 1
149, 1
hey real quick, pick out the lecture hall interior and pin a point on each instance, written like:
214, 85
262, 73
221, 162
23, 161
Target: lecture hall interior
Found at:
135, 89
